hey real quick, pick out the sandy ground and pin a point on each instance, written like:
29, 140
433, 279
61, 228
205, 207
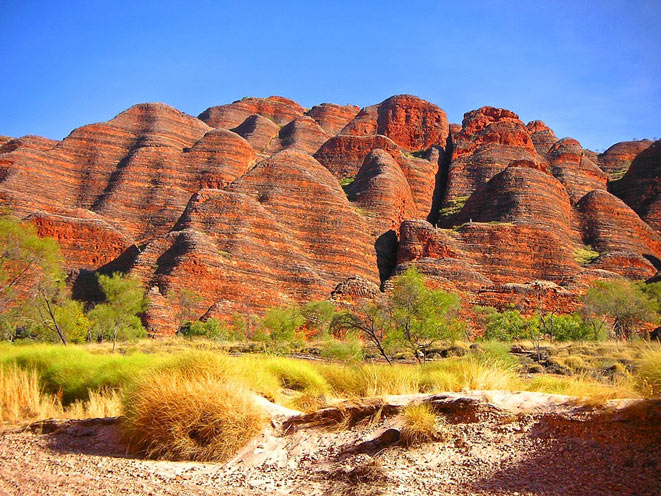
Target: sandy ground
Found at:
538, 448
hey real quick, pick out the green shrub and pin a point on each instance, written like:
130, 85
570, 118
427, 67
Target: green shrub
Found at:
576, 328
504, 326
283, 323
347, 350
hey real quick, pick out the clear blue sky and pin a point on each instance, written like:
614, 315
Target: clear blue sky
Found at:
590, 70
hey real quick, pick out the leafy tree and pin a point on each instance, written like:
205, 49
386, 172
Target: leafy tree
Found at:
371, 320
653, 293
575, 327
241, 326
348, 349
213, 329
503, 326
118, 314
31, 277
72, 321
422, 316
318, 316
185, 301
283, 323
623, 303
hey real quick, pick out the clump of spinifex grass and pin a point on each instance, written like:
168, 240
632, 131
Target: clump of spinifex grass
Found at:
183, 416
582, 386
23, 399
73, 371
648, 378
422, 425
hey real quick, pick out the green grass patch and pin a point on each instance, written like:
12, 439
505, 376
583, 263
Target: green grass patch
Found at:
453, 208
585, 256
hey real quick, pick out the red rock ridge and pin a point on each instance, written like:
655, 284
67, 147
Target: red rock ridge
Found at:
410, 122
616, 160
640, 188
282, 233
279, 109
247, 208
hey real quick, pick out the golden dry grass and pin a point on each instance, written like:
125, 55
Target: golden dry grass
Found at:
189, 416
422, 425
469, 374
582, 386
648, 378
83, 378
22, 399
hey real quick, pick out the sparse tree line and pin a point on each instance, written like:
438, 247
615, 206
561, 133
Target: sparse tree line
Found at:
34, 304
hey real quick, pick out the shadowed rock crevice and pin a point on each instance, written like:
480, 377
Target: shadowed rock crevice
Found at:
441, 181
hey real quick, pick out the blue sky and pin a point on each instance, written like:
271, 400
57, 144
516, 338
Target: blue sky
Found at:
590, 70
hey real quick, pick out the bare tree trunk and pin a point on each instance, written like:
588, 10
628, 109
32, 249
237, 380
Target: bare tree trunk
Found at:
377, 342
52, 316
114, 338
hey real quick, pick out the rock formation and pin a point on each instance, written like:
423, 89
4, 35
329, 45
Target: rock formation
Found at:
616, 160
640, 188
260, 202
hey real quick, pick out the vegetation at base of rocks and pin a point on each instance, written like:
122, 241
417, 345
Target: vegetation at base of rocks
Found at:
510, 325
180, 415
347, 350
422, 425
586, 255
215, 329
31, 281
624, 303
453, 208
118, 315
34, 300
412, 318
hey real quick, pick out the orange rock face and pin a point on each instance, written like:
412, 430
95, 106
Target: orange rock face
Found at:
332, 118
618, 158
244, 204
542, 136
640, 188
260, 132
280, 110
410, 122
571, 165
344, 154
490, 139
283, 233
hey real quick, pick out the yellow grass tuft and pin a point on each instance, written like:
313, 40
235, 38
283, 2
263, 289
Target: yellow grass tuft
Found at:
183, 416
422, 425
648, 377
582, 386
21, 397
105, 403
23, 400
469, 373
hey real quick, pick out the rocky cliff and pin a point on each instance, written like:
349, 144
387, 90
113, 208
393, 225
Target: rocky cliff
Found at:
263, 202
